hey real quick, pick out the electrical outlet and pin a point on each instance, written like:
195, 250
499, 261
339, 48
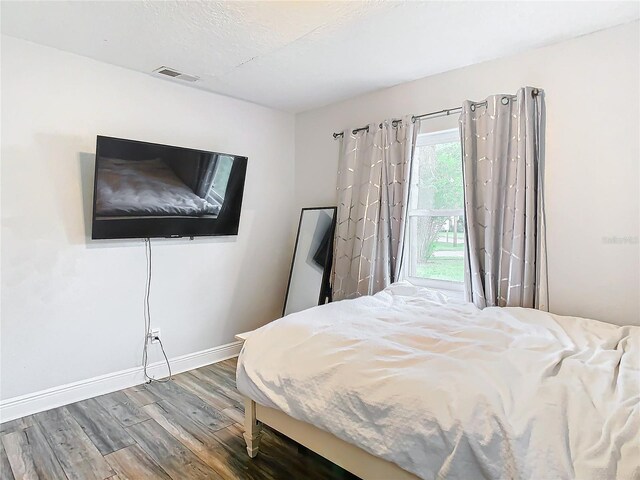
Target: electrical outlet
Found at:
154, 334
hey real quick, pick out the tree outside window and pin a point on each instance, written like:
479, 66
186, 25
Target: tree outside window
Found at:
436, 214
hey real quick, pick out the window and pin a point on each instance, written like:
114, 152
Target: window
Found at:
220, 180
436, 215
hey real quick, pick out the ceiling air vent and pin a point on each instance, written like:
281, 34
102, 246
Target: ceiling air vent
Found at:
170, 72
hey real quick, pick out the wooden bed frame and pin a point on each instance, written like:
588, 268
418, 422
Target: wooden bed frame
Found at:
348, 456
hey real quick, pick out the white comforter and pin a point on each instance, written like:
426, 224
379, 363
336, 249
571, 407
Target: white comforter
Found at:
445, 390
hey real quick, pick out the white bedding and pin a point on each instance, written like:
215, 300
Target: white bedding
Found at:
445, 390
145, 188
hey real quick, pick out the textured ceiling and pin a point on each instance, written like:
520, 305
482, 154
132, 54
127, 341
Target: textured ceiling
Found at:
300, 55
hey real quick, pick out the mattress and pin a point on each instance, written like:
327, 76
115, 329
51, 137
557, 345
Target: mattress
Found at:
446, 390
145, 188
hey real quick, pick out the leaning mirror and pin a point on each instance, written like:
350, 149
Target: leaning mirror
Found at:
311, 266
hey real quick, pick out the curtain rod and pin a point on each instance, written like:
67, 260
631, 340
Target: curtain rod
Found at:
440, 113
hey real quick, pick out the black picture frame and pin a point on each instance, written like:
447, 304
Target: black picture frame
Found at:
324, 294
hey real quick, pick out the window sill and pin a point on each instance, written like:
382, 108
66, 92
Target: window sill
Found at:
452, 290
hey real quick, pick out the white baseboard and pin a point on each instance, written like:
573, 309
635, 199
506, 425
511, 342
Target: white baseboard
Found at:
30, 403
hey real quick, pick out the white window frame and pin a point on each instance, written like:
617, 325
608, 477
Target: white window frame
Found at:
212, 195
453, 289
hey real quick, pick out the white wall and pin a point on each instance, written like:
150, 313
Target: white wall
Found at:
72, 307
592, 174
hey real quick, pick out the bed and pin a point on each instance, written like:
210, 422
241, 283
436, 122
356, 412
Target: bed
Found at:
408, 384
145, 188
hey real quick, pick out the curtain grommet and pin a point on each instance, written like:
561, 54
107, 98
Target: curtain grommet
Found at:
473, 107
504, 100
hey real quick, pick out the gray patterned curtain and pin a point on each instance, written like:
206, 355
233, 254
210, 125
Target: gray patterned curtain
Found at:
373, 187
503, 152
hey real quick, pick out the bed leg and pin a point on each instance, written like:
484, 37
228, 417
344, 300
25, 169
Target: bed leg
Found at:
252, 428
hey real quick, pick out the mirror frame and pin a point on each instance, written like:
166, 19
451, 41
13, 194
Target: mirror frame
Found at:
325, 286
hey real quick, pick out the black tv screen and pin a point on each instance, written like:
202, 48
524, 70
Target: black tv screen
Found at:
144, 190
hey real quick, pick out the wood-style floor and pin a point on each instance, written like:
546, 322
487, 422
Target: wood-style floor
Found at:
189, 428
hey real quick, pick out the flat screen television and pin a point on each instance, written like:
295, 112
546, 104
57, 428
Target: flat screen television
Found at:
145, 190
